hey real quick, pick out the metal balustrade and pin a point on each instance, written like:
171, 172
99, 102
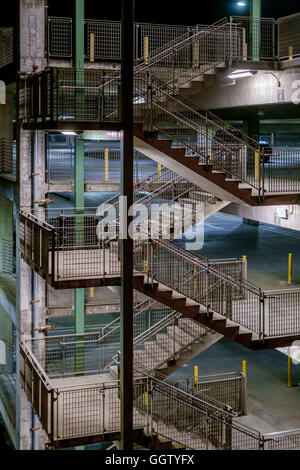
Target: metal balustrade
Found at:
70, 249
258, 36
105, 37
92, 409
60, 38
288, 37
6, 46
70, 95
209, 142
228, 388
101, 165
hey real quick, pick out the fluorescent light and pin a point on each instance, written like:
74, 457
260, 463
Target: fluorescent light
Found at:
69, 133
241, 74
241, 4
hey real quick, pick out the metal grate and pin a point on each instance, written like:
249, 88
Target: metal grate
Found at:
60, 40
107, 39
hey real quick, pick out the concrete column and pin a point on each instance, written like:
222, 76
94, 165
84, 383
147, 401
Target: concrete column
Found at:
32, 35
252, 127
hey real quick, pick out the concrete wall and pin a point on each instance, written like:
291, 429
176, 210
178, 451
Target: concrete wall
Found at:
32, 44
268, 215
260, 89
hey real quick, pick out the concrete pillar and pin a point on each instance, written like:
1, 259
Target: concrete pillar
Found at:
32, 35
6, 231
252, 127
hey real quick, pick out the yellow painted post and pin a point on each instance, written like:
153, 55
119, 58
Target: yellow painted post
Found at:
92, 293
146, 50
146, 399
146, 268
92, 47
290, 372
106, 164
196, 53
290, 274
257, 166
159, 175
244, 258
244, 367
195, 277
245, 51
291, 52
196, 379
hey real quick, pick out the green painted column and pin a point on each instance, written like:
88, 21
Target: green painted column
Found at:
255, 13
79, 153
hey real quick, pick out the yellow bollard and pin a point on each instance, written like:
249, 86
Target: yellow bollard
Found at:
159, 167
92, 47
146, 50
257, 166
245, 55
106, 164
196, 379
290, 274
244, 367
290, 372
146, 268
92, 293
196, 277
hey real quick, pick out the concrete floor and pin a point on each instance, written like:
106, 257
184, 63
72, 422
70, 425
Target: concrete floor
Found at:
267, 248
271, 405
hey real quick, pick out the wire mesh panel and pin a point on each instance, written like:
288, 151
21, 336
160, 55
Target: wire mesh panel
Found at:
224, 388
288, 36
60, 162
282, 312
258, 37
6, 46
289, 440
154, 36
60, 37
106, 37
282, 170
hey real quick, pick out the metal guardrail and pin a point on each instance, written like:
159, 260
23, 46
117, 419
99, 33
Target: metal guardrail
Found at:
288, 37
229, 388
257, 37
68, 412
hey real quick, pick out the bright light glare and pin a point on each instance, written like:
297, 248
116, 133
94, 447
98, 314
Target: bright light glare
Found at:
241, 4
69, 133
241, 74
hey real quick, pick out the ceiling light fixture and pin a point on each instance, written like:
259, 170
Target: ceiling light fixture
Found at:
242, 74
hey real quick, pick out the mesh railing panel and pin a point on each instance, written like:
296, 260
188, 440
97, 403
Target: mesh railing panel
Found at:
60, 37
288, 36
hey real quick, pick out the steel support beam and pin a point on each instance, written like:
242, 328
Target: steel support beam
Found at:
127, 243
79, 152
255, 13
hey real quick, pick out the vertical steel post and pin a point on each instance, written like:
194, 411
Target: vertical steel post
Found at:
127, 243
255, 13
79, 149
290, 372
